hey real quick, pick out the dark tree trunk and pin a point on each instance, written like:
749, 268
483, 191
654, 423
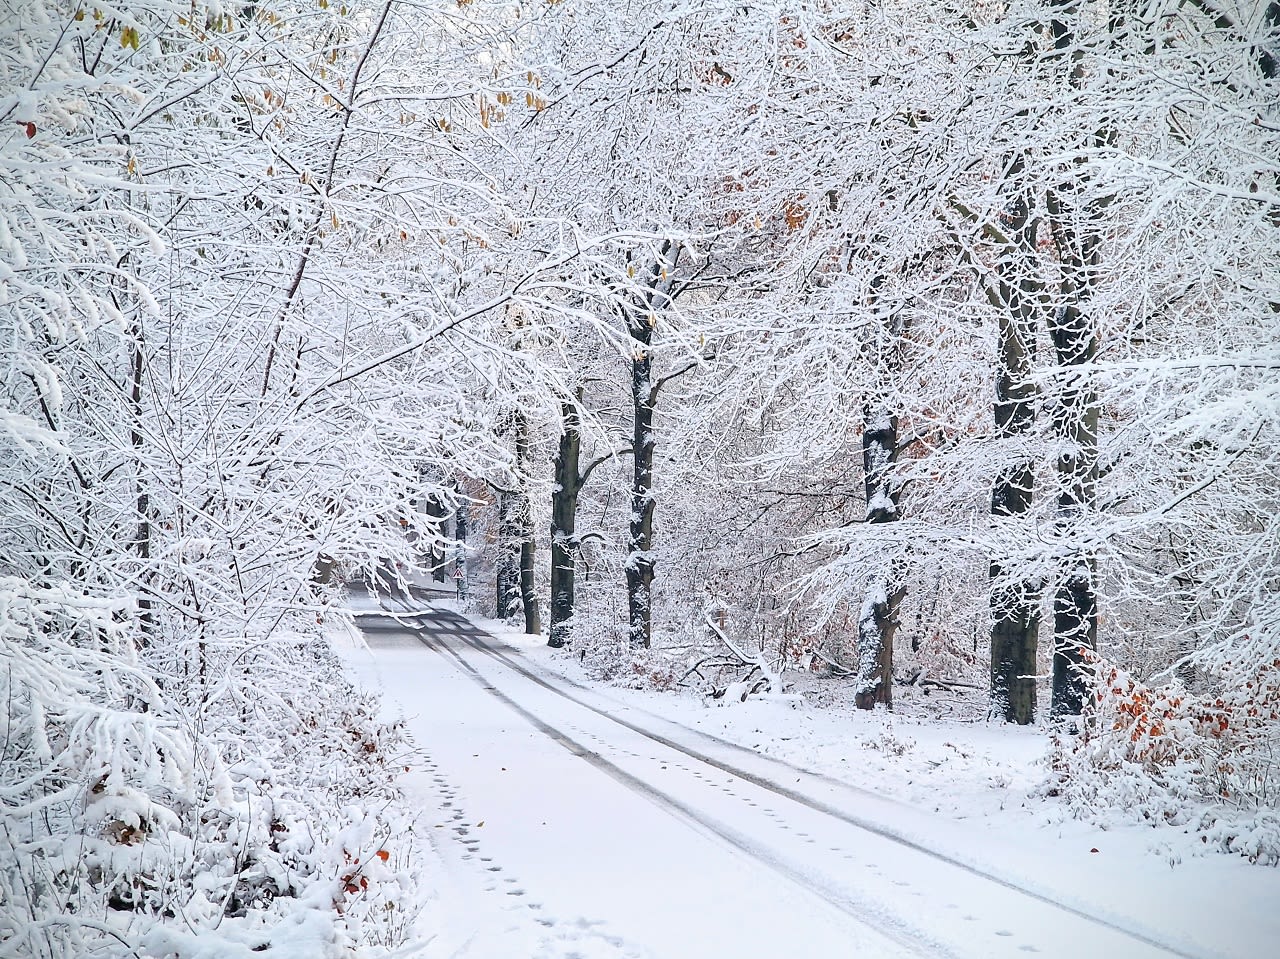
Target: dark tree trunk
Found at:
1075, 628
1075, 420
460, 558
640, 543
564, 513
640, 320
142, 536
515, 584
528, 582
1015, 616
507, 572
435, 557
878, 620
1074, 217
528, 545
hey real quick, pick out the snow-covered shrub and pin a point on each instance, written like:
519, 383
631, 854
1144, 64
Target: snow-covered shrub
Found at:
599, 644
92, 771
1207, 761
183, 771
144, 818
298, 830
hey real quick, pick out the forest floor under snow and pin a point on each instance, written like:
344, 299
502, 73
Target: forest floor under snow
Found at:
968, 788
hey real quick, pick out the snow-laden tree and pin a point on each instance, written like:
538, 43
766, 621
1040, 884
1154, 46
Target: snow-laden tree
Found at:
231, 278
840, 287
590, 176
1184, 298
1042, 176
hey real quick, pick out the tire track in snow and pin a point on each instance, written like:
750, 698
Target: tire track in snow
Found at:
875, 922
464, 630
461, 847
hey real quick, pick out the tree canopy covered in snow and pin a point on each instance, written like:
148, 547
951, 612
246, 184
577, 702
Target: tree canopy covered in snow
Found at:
892, 340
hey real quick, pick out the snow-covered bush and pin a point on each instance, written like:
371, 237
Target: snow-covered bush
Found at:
1208, 761
93, 772
151, 821
183, 769
298, 834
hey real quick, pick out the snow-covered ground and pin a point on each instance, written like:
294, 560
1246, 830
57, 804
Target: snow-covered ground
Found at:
571, 818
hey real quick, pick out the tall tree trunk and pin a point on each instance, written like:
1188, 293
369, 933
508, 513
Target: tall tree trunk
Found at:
1075, 420
142, 535
1074, 219
528, 545
564, 513
528, 581
878, 620
460, 558
640, 543
1015, 616
434, 555
515, 581
640, 320
507, 572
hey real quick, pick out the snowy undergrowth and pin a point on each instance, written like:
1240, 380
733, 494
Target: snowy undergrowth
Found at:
939, 751
248, 808
1208, 764
1202, 781
934, 751
962, 769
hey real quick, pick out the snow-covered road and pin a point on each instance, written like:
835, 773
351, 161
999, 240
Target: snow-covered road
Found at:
572, 825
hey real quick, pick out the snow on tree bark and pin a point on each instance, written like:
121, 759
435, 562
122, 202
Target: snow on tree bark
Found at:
878, 619
1075, 212
1015, 292
641, 315
564, 513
